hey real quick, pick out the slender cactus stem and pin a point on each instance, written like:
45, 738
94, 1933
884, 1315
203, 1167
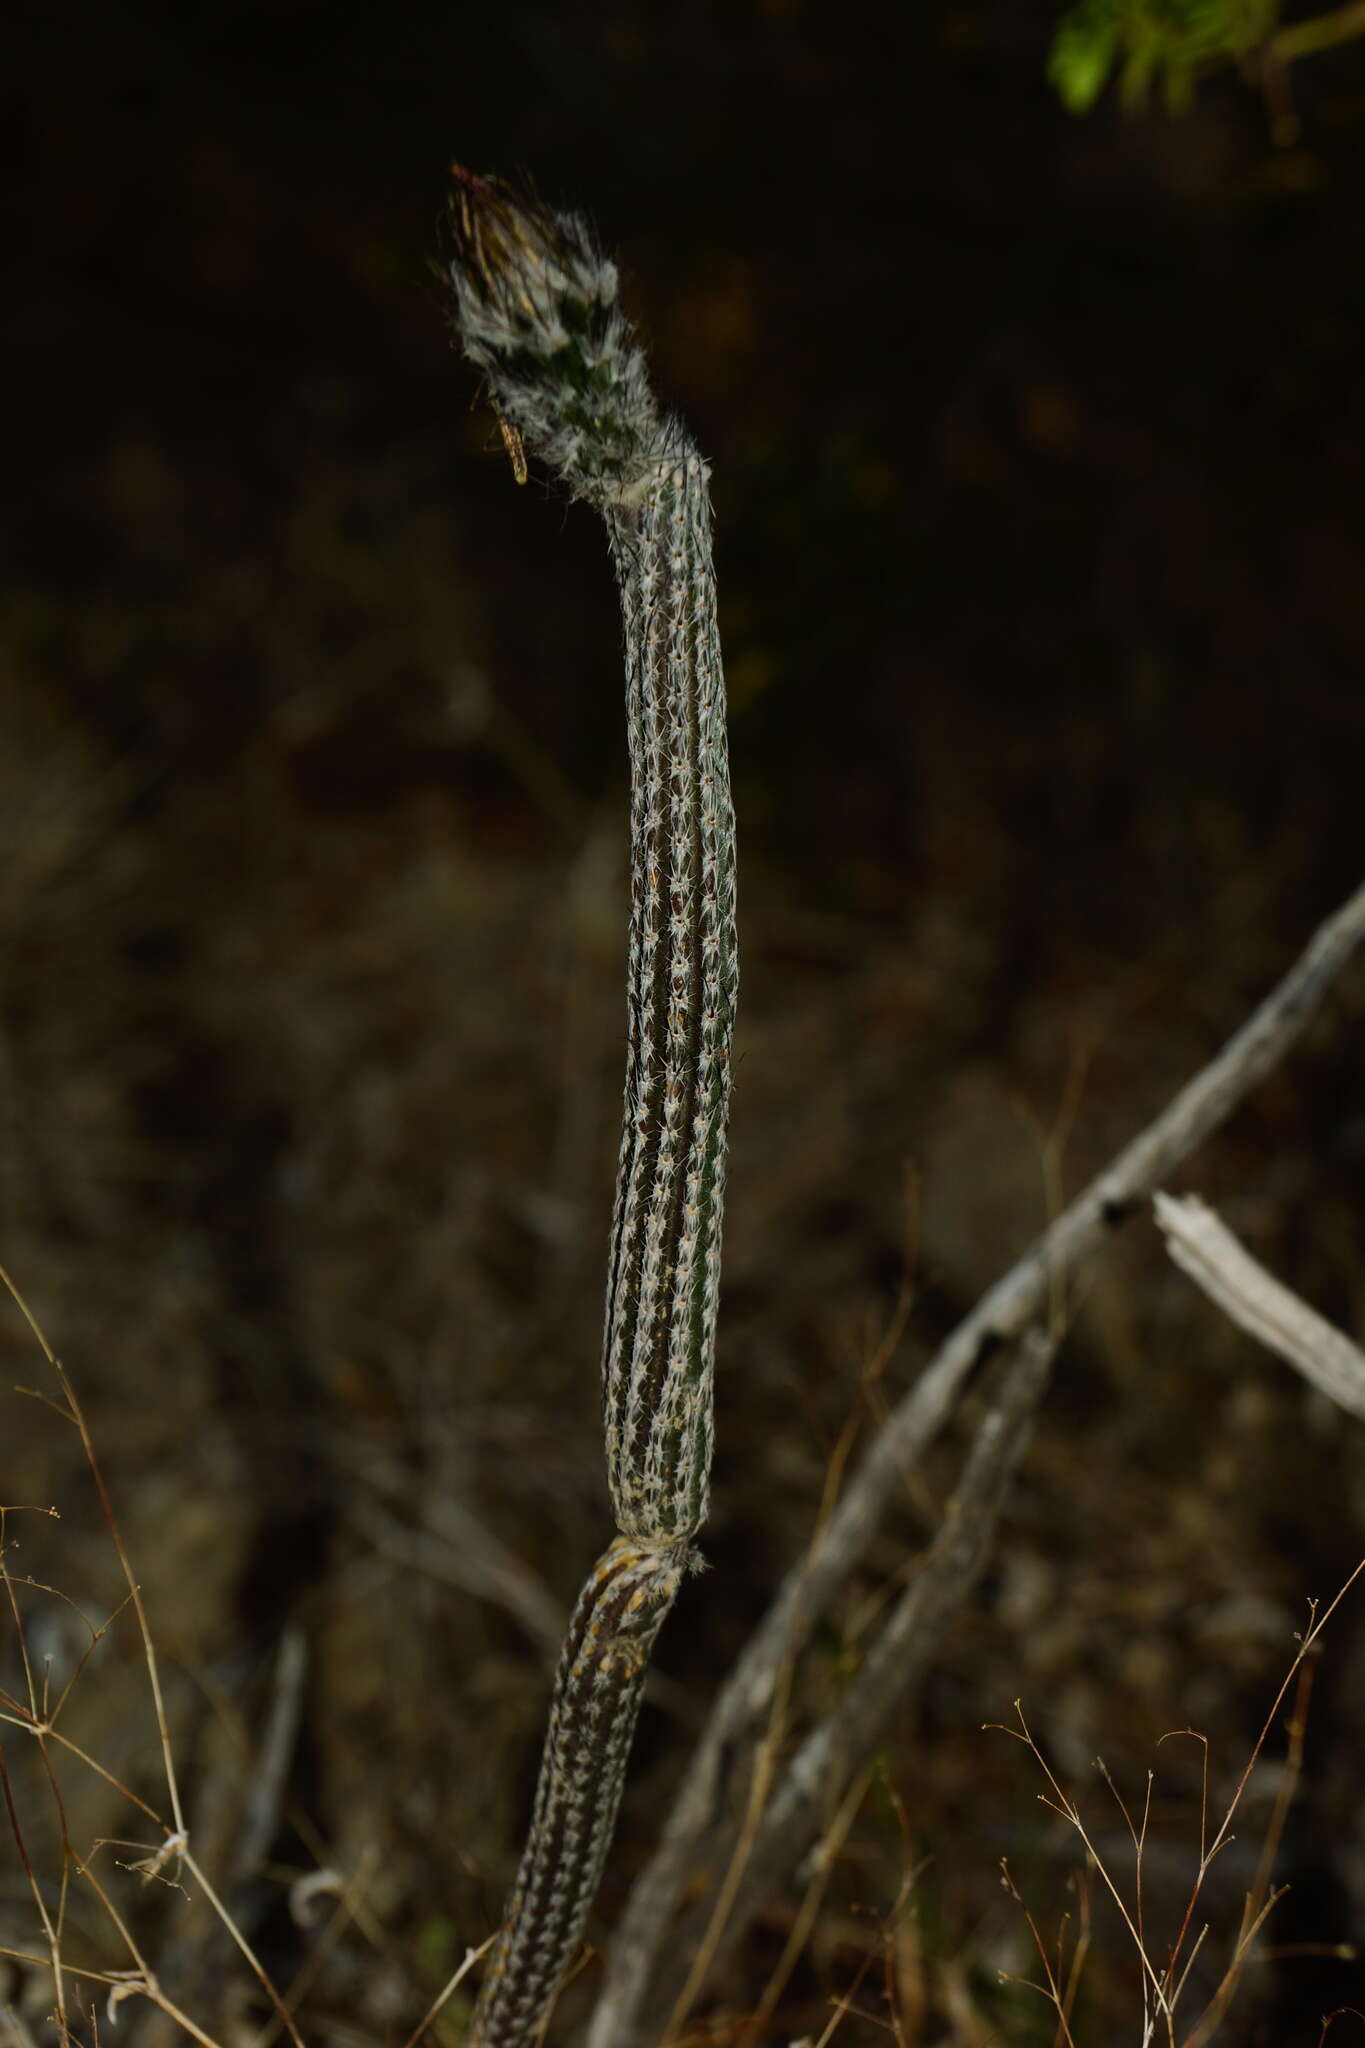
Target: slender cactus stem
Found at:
587, 1743
538, 313
664, 1276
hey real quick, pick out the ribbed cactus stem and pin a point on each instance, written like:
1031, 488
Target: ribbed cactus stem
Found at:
538, 313
587, 1744
664, 1276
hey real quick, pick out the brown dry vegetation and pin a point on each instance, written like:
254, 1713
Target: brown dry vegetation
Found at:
1038, 451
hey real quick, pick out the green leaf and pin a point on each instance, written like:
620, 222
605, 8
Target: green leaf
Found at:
1084, 52
1149, 42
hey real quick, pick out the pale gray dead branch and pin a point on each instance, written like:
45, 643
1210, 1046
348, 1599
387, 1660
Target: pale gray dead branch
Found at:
1203, 1247
700, 1833
268, 1782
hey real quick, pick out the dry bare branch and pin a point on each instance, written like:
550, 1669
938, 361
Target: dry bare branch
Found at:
1202, 1246
816, 1781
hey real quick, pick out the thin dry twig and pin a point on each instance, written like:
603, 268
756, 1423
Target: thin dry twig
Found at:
816, 1779
1060, 1979
445, 1539
141, 1980
444, 1995
1164, 1982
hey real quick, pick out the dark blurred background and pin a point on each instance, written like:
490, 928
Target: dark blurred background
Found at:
1038, 449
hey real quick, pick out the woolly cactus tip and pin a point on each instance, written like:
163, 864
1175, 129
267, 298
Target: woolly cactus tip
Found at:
536, 309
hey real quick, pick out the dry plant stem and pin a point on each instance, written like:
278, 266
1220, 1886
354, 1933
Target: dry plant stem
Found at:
827, 1857
1307, 1644
1321, 32
1060, 1980
141, 1980
451, 1985
537, 312
202, 1956
70, 1409
269, 1777
818, 1776
693, 1848
1202, 1246
1165, 1979
444, 1539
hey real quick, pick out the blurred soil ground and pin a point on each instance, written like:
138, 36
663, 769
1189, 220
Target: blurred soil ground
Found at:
1039, 453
